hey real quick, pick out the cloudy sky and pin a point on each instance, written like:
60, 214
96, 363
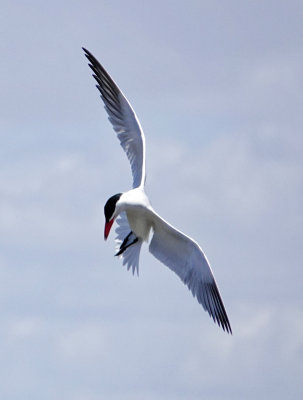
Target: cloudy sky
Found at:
217, 86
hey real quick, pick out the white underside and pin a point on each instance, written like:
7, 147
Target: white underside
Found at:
139, 223
139, 212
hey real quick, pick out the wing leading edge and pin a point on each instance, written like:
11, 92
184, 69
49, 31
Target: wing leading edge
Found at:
123, 119
185, 257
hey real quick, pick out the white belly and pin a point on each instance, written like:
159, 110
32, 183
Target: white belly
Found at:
139, 222
137, 207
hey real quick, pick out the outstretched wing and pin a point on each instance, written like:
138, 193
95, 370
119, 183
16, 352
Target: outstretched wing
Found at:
131, 255
184, 256
123, 119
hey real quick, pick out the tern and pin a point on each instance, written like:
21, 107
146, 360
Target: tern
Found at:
137, 219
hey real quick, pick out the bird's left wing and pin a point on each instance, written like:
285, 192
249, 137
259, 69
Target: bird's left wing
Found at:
184, 256
123, 119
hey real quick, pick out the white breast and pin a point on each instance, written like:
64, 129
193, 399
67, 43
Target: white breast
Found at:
139, 221
137, 207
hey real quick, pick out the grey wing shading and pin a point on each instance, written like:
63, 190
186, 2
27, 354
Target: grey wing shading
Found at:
184, 256
130, 257
123, 119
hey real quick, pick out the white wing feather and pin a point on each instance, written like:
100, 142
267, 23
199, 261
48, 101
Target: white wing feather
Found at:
123, 119
184, 256
131, 255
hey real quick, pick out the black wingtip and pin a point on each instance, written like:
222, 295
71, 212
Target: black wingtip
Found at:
89, 56
86, 52
220, 315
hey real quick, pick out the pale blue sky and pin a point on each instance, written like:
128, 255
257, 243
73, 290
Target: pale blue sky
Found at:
218, 89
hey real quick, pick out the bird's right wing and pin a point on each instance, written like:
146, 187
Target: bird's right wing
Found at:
184, 256
123, 119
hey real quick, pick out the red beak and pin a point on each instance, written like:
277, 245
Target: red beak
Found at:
108, 225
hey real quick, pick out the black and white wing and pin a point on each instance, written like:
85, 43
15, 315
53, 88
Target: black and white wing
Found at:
184, 256
123, 119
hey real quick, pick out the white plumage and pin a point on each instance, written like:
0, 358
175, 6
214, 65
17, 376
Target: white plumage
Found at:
137, 220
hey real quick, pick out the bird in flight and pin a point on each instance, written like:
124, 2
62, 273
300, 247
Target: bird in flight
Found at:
135, 217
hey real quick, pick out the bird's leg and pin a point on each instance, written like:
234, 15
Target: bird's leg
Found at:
127, 242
